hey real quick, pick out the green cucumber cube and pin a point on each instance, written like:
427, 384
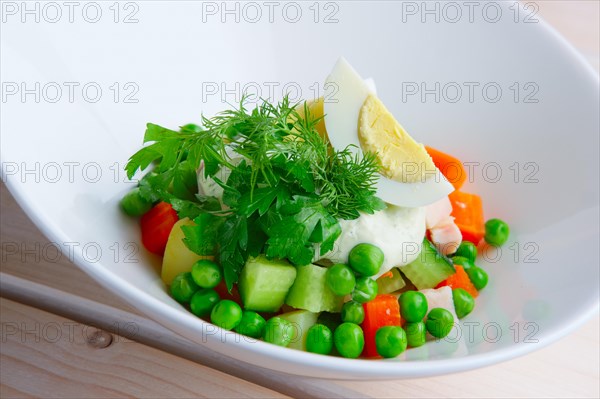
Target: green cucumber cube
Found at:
311, 292
264, 283
429, 269
301, 320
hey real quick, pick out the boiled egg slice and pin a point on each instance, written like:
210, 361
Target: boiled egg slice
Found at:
356, 117
315, 108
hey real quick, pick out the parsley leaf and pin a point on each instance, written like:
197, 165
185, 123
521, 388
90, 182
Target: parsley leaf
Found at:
260, 199
202, 238
233, 237
304, 223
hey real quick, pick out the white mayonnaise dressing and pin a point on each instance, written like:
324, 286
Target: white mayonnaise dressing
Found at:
397, 231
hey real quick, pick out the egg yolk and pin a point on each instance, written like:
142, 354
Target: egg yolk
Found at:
400, 156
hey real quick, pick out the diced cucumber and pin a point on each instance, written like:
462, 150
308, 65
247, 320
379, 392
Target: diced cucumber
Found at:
429, 269
311, 292
264, 283
386, 284
301, 320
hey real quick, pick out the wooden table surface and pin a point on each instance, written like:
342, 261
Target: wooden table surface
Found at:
65, 336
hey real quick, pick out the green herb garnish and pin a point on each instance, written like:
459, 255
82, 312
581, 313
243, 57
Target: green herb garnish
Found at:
285, 193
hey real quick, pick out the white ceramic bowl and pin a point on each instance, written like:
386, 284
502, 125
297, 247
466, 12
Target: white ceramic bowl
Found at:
62, 157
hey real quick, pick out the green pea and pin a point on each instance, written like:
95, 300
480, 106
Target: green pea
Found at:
390, 341
203, 301
467, 250
416, 334
340, 279
349, 340
133, 204
478, 277
365, 290
353, 312
278, 331
206, 273
226, 314
496, 232
413, 306
319, 339
439, 322
183, 287
252, 324
466, 263
366, 259
463, 302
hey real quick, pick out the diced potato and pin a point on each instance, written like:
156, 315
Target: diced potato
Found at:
178, 258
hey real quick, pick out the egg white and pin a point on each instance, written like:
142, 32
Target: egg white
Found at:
341, 122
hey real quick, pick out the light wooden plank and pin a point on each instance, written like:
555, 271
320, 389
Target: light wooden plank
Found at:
54, 354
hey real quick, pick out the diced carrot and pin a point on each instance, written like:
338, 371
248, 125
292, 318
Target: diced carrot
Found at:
381, 311
467, 210
450, 167
460, 279
156, 225
387, 275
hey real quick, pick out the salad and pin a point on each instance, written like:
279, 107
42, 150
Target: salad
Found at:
320, 226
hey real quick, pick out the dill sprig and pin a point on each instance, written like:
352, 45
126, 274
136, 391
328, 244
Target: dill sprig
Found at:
286, 190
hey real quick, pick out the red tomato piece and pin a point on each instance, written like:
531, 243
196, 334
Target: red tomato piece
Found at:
156, 225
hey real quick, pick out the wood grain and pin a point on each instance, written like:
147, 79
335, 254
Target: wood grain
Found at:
54, 354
